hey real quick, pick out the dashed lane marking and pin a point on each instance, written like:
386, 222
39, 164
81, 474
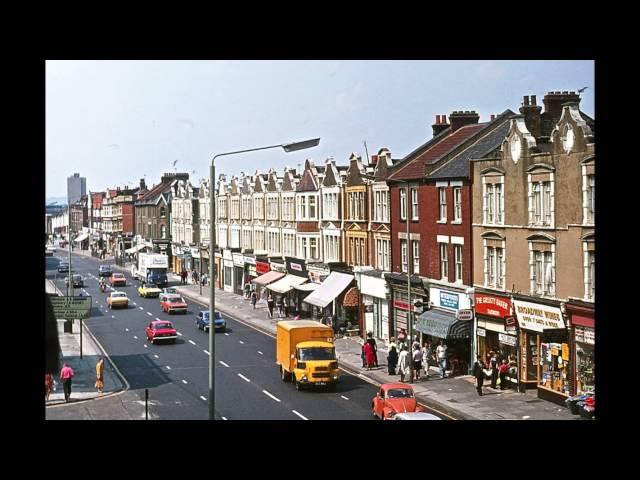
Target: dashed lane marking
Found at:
150, 314
224, 418
206, 351
156, 356
135, 337
342, 396
241, 342
158, 319
185, 382
244, 378
301, 416
126, 329
192, 342
141, 308
227, 334
179, 333
260, 352
222, 363
146, 346
113, 316
271, 396
168, 367
203, 398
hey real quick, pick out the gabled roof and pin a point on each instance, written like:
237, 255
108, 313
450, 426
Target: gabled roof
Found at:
488, 140
308, 182
413, 168
152, 196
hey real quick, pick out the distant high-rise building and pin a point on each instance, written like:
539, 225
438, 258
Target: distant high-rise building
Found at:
76, 188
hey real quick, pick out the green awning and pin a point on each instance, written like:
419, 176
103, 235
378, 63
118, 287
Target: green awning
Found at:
442, 324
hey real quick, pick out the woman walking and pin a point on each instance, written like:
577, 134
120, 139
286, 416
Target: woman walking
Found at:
404, 368
100, 375
392, 360
369, 355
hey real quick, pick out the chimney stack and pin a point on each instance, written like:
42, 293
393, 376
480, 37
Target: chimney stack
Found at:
553, 102
532, 118
493, 117
374, 160
461, 119
143, 186
440, 125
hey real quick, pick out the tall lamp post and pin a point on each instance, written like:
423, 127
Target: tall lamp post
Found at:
287, 147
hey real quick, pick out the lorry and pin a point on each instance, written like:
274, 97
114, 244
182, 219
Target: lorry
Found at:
152, 268
306, 354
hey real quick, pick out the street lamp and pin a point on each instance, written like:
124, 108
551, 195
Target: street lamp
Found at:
287, 147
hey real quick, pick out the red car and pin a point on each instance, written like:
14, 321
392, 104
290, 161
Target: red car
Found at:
118, 279
173, 303
394, 398
160, 330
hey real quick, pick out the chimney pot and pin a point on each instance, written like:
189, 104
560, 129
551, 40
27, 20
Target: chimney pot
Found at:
493, 117
526, 100
444, 119
437, 119
533, 100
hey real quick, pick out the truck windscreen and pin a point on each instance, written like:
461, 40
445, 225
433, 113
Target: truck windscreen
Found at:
316, 353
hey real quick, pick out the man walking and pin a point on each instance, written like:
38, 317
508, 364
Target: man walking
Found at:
270, 305
493, 365
478, 372
441, 352
66, 374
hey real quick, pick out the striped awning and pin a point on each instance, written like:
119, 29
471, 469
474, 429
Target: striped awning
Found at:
443, 324
268, 278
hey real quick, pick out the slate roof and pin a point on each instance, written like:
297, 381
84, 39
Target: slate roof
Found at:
414, 168
459, 166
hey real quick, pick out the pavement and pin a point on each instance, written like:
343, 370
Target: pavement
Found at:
455, 397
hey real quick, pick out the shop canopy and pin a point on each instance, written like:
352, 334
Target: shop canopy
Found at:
307, 287
135, 249
82, 237
287, 283
329, 290
267, 278
442, 324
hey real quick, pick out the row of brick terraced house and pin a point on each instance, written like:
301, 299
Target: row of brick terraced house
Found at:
501, 222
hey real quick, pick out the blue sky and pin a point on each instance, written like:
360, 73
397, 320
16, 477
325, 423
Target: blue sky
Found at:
116, 121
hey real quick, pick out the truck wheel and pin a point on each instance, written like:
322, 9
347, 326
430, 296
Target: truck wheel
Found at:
298, 384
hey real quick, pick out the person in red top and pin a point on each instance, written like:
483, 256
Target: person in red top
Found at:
369, 355
66, 374
504, 369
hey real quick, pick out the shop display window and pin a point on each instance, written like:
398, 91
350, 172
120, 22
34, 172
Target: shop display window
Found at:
585, 368
554, 360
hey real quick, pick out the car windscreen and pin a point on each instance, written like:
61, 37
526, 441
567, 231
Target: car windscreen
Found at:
176, 300
77, 277
158, 326
316, 353
170, 290
399, 393
150, 285
118, 295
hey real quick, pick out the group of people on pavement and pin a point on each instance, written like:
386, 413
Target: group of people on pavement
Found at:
399, 359
282, 304
66, 377
498, 368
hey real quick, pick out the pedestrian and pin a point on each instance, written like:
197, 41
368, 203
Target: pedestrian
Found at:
403, 363
363, 354
279, 305
66, 374
416, 343
194, 277
402, 336
100, 375
392, 343
427, 353
478, 372
441, 352
417, 361
369, 355
504, 369
493, 365
254, 299
392, 360
270, 305
48, 386
372, 342
285, 305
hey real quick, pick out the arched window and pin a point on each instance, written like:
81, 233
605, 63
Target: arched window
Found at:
163, 212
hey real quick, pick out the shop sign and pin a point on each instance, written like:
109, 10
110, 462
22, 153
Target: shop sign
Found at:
403, 305
492, 305
251, 270
250, 260
585, 335
510, 324
262, 268
238, 260
482, 332
565, 351
449, 300
538, 317
507, 339
278, 267
226, 254
465, 315
368, 307
295, 266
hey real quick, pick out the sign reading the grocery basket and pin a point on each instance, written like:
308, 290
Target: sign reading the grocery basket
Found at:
492, 305
70, 308
465, 315
537, 317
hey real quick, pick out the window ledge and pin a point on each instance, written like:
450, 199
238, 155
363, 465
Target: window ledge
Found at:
456, 222
442, 222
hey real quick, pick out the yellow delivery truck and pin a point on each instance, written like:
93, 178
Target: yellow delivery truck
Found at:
306, 354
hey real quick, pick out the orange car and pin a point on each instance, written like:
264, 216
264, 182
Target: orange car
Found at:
173, 303
118, 279
394, 398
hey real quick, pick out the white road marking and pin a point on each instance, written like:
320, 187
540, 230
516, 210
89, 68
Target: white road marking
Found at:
222, 363
168, 367
525, 417
150, 314
141, 308
241, 342
135, 337
158, 319
192, 342
301, 416
203, 398
206, 351
126, 329
269, 395
224, 418
179, 333
135, 303
156, 355
113, 316
185, 382
243, 377
227, 334
260, 352
146, 346
342, 396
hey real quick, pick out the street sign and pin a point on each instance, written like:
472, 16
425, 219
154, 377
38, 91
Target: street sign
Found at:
71, 308
465, 315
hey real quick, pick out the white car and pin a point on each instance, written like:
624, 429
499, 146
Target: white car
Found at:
415, 416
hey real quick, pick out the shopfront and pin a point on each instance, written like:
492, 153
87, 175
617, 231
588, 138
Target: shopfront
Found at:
375, 295
227, 270
544, 357
582, 320
400, 301
204, 259
492, 335
318, 273
238, 273
219, 269
326, 299
250, 269
277, 264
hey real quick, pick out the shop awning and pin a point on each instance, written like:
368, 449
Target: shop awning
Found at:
287, 283
441, 324
307, 287
135, 249
352, 297
268, 278
82, 237
329, 290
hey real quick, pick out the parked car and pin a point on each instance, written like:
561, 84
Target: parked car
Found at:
149, 290
160, 330
174, 303
118, 279
63, 267
77, 281
167, 291
118, 299
393, 398
48, 252
202, 321
105, 271
415, 416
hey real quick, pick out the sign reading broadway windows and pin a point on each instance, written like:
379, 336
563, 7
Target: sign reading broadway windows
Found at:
537, 317
70, 308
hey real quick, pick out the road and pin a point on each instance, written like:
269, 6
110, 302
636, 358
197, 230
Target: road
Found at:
248, 384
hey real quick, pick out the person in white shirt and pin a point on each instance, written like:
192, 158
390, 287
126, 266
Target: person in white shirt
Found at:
426, 356
441, 352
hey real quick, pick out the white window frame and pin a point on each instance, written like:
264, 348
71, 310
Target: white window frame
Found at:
444, 261
542, 271
458, 258
403, 255
415, 252
403, 204
330, 248
457, 204
414, 203
382, 254
588, 197
589, 269
442, 203
541, 201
